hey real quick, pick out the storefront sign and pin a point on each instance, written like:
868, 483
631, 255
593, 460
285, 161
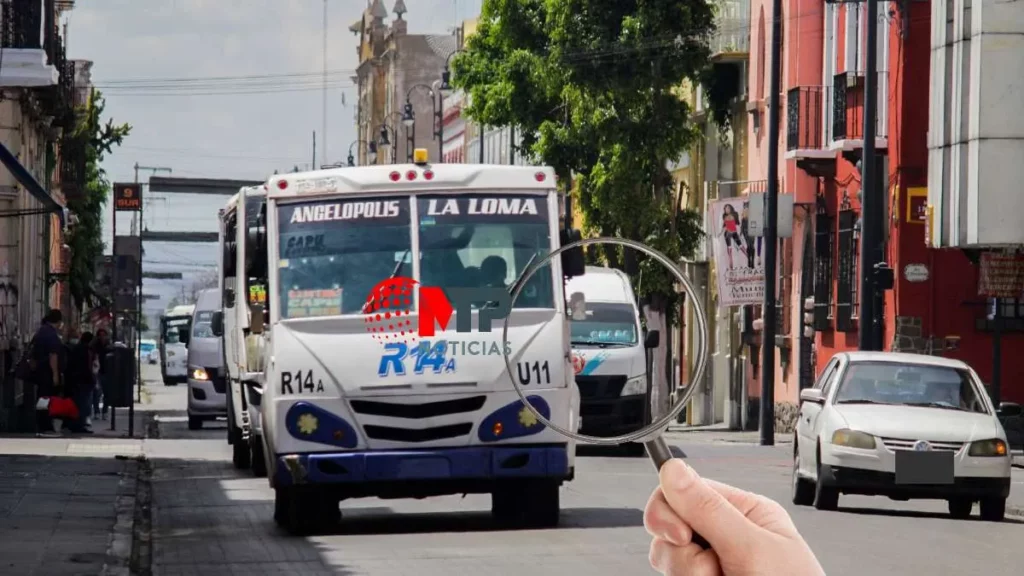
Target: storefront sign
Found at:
915, 273
917, 205
1001, 275
128, 197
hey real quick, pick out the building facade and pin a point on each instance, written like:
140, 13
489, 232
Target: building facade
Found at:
934, 307
395, 69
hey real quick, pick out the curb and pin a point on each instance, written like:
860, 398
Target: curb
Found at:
119, 550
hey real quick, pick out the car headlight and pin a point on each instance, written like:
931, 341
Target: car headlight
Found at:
853, 439
635, 386
994, 447
200, 374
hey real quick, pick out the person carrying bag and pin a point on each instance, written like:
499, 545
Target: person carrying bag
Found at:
43, 368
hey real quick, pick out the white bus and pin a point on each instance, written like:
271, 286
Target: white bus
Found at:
175, 329
357, 404
243, 284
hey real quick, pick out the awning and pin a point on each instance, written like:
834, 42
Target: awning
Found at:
30, 183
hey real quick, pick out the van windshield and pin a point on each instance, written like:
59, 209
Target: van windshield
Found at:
202, 327
607, 324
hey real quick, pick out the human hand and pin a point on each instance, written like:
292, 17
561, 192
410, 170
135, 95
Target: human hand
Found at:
750, 535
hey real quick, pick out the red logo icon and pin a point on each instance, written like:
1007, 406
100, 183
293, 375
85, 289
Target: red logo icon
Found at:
578, 363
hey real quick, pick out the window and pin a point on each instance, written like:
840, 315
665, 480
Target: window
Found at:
824, 256
826, 374
332, 253
830, 381
607, 325
922, 385
847, 276
855, 284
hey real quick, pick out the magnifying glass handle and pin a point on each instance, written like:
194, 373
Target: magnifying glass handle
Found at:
660, 453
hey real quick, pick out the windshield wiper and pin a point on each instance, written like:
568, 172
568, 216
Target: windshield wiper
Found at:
934, 405
600, 344
398, 266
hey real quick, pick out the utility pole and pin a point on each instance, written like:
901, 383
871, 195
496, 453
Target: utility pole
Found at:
138, 314
323, 155
771, 237
870, 197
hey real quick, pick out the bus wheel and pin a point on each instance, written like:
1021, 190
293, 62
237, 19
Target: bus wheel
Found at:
305, 511
527, 504
240, 455
259, 465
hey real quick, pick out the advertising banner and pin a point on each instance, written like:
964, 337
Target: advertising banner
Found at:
738, 255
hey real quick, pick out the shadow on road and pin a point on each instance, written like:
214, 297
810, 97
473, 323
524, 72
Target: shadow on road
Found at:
916, 514
590, 451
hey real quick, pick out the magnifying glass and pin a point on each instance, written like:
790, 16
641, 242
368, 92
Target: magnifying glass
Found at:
651, 434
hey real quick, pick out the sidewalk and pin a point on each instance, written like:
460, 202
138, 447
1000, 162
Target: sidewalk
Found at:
720, 434
67, 504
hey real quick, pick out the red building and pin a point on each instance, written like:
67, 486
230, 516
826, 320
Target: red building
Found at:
935, 307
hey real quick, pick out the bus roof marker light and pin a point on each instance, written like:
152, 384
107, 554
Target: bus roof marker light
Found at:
540, 176
282, 184
395, 176
410, 175
428, 175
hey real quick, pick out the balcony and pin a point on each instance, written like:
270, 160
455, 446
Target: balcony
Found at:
805, 130
730, 42
848, 112
59, 100
26, 62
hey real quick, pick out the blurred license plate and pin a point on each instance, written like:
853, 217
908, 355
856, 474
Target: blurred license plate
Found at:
924, 467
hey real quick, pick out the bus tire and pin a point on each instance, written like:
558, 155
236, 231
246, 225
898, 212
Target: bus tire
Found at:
304, 511
527, 503
240, 456
258, 463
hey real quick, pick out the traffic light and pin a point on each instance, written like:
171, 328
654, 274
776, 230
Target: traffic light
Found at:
809, 330
885, 278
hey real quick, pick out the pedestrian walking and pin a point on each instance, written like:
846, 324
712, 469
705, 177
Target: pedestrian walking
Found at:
45, 356
80, 382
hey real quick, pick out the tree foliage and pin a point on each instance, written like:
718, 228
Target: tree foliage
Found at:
593, 86
94, 139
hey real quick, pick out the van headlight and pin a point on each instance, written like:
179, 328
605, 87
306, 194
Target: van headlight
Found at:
199, 374
994, 447
635, 386
853, 439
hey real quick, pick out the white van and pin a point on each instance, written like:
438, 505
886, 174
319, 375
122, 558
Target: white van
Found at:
610, 354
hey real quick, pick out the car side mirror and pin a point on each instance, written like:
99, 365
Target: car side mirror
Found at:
578, 306
652, 340
217, 323
812, 395
573, 261
256, 322
1010, 409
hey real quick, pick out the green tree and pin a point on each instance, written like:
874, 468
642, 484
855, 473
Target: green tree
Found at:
594, 88
94, 140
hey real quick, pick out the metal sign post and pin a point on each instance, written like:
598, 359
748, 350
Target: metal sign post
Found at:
127, 295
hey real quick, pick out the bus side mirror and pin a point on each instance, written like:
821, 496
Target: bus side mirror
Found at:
652, 340
256, 323
183, 335
229, 297
217, 323
573, 261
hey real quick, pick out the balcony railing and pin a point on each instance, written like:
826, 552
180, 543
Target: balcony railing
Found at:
848, 106
732, 28
20, 23
804, 113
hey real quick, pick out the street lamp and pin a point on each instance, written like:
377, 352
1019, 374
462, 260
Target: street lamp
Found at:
409, 117
446, 75
385, 140
371, 152
351, 158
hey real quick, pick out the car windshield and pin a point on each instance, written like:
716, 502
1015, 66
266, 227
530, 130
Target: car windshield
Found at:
606, 324
486, 241
332, 253
910, 385
202, 327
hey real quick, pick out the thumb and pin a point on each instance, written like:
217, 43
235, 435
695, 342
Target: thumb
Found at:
703, 508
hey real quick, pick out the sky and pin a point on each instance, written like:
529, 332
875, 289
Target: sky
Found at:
161, 66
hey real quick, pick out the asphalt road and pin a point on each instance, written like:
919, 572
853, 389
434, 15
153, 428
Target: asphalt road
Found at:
210, 519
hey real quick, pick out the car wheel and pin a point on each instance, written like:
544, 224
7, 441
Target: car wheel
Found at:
960, 508
993, 509
825, 497
240, 455
803, 489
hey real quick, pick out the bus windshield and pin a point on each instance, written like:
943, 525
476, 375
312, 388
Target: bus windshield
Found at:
333, 252
172, 327
486, 241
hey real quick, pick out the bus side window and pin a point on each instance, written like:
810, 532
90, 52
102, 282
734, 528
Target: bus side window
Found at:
228, 262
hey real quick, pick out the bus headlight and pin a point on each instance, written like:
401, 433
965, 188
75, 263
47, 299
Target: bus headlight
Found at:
635, 386
199, 373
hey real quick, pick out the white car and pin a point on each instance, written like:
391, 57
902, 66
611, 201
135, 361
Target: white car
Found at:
903, 426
